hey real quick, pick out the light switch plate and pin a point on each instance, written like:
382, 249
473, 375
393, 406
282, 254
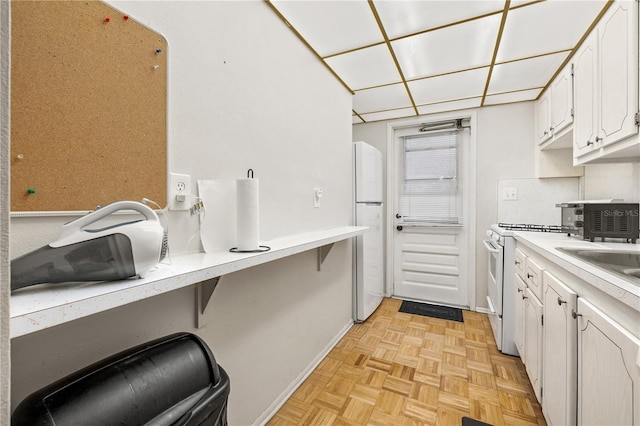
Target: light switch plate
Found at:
510, 194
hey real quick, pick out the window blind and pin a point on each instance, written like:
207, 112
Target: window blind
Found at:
431, 191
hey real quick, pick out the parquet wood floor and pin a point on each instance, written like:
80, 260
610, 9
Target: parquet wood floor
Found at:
404, 369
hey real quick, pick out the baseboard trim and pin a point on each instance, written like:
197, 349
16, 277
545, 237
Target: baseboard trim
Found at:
295, 384
483, 310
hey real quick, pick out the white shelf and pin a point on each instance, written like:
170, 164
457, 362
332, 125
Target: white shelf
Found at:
43, 306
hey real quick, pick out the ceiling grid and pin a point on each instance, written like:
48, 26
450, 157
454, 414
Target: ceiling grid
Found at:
404, 58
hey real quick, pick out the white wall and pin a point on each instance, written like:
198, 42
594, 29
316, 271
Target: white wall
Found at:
244, 93
504, 150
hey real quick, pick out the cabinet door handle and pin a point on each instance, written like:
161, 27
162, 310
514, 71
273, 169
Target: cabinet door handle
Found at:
529, 275
589, 143
517, 262
520, 290
598, 139
574, 314
560, 301
524, 297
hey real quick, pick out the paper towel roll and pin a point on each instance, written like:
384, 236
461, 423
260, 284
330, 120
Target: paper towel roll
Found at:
247, 196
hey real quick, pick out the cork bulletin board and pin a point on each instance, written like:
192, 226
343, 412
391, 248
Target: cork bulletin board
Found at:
88, 107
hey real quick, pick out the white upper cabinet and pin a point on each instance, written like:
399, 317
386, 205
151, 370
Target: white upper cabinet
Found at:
562, 101
554, 112
543, 117
606, 89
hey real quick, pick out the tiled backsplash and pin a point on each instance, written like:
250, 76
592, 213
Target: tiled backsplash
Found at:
612, 181
536, 199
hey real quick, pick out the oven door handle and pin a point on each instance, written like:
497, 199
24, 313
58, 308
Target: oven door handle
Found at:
489, 246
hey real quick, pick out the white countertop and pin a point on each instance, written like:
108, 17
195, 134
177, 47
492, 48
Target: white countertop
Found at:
46, 305
546, 244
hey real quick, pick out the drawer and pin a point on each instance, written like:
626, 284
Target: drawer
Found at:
533, 277
521, 262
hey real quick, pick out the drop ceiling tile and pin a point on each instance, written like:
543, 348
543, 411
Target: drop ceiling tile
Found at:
450, 106
546, 27
525, 74
381, 98
448, 87
332, 27
389, 115
365, 68
401, 18
506, 98
461, 46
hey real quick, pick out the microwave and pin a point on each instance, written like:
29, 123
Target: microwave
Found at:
600, 220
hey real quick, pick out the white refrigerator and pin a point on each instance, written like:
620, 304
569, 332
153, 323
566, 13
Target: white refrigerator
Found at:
368, 288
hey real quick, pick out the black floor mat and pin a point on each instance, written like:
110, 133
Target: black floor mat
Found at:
434, 311
466, 421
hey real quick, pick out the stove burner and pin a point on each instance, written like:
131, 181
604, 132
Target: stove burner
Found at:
530, 227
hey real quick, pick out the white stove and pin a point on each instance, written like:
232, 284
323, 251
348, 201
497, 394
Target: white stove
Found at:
501, 285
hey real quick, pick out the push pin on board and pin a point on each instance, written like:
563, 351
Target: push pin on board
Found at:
158, 51
125, 17
31, 191
107, 19
20, 157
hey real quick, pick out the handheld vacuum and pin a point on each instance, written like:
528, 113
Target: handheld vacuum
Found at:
86, 253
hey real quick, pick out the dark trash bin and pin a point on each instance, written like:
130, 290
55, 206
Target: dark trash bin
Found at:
174, 380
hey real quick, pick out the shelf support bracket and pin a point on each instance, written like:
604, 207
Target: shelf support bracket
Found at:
204, 292
322, 254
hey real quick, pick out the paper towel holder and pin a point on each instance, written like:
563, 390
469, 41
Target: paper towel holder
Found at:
260, 249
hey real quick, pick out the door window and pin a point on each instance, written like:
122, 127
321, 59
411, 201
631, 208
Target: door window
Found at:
431, 189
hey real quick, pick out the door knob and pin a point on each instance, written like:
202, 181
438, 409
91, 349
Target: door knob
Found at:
560, 301
398, 215
399, 227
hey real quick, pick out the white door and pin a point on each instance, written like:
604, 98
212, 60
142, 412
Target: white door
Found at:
431, 251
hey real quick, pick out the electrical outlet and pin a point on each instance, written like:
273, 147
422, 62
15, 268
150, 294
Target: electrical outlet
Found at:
179, 188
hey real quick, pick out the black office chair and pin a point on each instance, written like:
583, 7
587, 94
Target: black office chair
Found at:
173, 381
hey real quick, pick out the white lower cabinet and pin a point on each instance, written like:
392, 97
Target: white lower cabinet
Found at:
559, 353
519, 317
583, 364
533, 340
608, 370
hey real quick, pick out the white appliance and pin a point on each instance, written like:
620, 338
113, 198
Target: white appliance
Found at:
368, 288
501, 283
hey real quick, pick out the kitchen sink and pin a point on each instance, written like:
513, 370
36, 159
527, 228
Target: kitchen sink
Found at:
621, 262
